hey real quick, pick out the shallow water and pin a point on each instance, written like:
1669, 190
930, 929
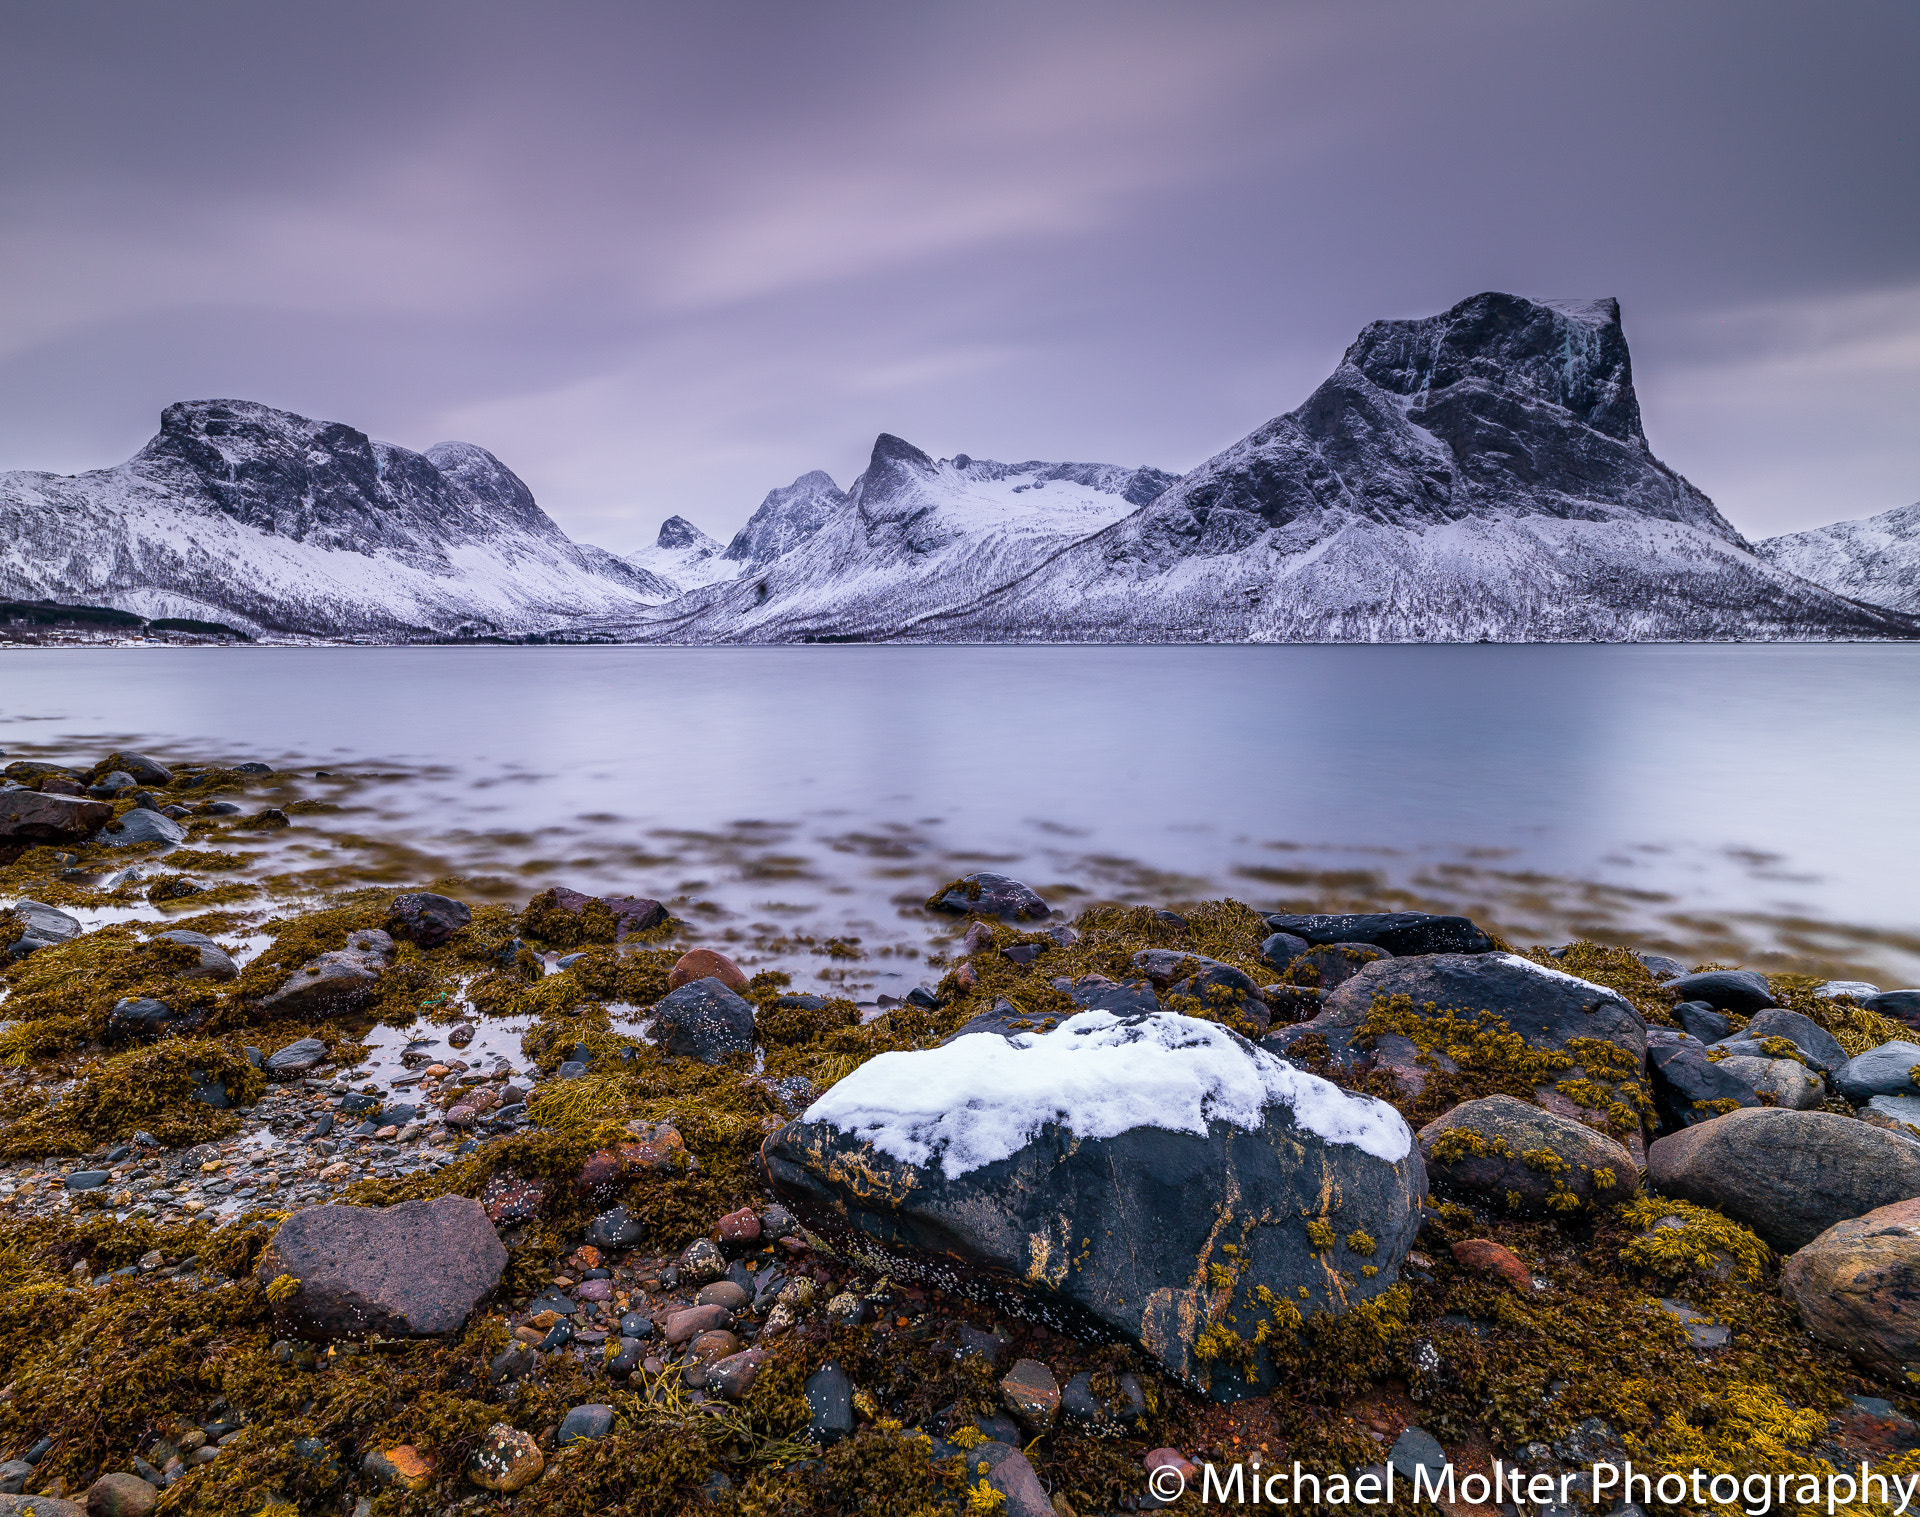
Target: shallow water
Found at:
1748, 802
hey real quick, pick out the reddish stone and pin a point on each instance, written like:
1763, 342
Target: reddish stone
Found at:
742, 1226
733, 1376
691, 1321
1485, 1257
27, 816
1170, 1458
509, 1199
586, 1256
594, 1290
705, 964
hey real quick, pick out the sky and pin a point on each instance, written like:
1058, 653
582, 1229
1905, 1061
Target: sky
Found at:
662, 258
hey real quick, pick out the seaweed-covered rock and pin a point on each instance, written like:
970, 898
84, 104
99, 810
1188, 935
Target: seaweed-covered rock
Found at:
1023, 1171
990, 895
1883, 1071
1281, 948
1327, 966
1821, 1048
1216, 985
1774, 1082
141, 1016
1689, 1088
143, 770
38, 927
1003, 1469
1516, 1157
141, 826
505, 1460
31, 816
341, 981
1740, 990
1402, 1014
413, 1270
1401, 933
704, 1021
427, 919
1788, 1175
215, 962
1855, 1285
567, 918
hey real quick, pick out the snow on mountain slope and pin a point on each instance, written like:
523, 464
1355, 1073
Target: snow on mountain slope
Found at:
1481, 474
786, 519
684, 556
914, 536
1876, 560
239, 513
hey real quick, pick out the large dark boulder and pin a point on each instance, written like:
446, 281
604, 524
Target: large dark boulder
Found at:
426, 919
1901, 1005
1788, 1175
704, 1021
408, 1271
1401, 933
141, 826
1024, 1173
1689, 1088
29, 816
1883, 1071
990, 895
145, 771
1587, 1043
1741, 990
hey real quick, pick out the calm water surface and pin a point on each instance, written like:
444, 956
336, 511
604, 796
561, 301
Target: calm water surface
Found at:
1740, 802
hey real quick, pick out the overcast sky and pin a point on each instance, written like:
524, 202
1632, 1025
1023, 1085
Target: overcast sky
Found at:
661, 258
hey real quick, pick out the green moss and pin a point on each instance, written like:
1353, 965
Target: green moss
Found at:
146, 1088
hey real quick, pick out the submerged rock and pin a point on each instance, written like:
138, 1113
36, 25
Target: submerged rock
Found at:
1020, 1171
1787, 1175
413, 1270
1401, 933
990, 895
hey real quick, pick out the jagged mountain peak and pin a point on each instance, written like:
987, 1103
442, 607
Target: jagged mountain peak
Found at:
786, 518
678, 533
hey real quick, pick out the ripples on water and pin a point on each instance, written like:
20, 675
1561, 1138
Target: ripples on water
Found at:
796, 805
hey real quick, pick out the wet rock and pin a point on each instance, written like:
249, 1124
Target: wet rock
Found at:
506, 1460
1082, 1407
1123, 1225
141, 826
297, 1058
1857, 991
512, 1363
460, 1036
1031, 1394
1414, 1450
1330, 965
734, 1375
727, 1293
626, 1357
830, 1400
1482, 995
991, 1346
412, 1270
1775, 1082
630, 914
39, 927
1008, 1471
1787, 1175
614, 1229
1282, 948
1739, 990
1897, 1113
1513, 1156
594, 1420
140, 1016
334, 983
705, 964
1822, 1049
426, 919
1688, 1088
1883, 1071
1700, 1019
120, 1495
1901, 1005
1855, 1285
1660, 966
689, 1322
33, 817
215, 963
1703, 1331
990, 895
403, 1466
704, 1021
1401, 933
138, 767
40, 1506
738, 1231
1485, 1257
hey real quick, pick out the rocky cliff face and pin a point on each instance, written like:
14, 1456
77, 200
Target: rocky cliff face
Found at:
274, 522
1476, 475
786, 519
915, 535
1876, 560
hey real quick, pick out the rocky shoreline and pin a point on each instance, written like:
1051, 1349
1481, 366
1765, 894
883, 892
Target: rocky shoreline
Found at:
406, 1201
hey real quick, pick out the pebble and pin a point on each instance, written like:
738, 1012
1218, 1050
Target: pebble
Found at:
594, 1420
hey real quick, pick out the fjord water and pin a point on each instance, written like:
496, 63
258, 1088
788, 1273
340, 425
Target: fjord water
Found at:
1736, 801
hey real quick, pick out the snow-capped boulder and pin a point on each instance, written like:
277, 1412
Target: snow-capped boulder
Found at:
1154, 1178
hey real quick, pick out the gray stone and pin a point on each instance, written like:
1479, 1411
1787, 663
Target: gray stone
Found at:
1901, 1005
830, 1400
296, 1058
1787, 1175
139, 768
991, 895
614, 1229
703, 1020
1660, 966
1883, 1071
595, 1420
1401, 933
1857, 991
14, 1475
340, 981
1700, 1019
1702, 1330
1006, 1470
141, 826
1776, 1082
1740, 990
1492, 1159
427, 919
215, 963
40, 1506
413, 1270
1822, 1049
1893, 1111
1417, 1449
43, 927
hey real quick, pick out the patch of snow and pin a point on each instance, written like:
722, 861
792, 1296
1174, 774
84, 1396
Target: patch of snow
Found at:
983, 1097
1560, 974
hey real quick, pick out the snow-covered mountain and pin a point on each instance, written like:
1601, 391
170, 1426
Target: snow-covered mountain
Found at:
1478, 475
272, 522
683, 556
1876, 560
914, 536
786, 519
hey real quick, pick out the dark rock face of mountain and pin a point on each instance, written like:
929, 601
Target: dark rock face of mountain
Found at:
1477, 475
240, 513
1876, 560
786, 519
677, 532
